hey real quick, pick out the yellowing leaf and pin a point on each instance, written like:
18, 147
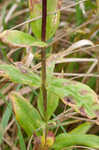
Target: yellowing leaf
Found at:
77, 95
27, 116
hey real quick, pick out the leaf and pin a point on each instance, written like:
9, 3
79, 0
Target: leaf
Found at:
20, 74
77, 95
52, 103
79, 14
81, 129
21, 139
74, 46
80, 44
4, 121
64, 140
90, 5
52, 19
27, 116
20, 39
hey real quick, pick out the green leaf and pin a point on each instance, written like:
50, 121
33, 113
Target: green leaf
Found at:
64, 140
20, 74
81, 129
79, 14
52, 103
4, 121
77, 95
90, 5
27, 116
17, 38
21, 139
52, 19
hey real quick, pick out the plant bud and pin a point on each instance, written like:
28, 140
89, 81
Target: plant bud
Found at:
50, 139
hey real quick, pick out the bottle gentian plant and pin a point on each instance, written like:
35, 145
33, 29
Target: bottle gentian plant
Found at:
40, 122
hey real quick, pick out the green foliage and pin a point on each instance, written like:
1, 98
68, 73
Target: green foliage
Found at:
92, 82
20, 74
77, 95
81, 129
27, 116
52, 103
52, 19
89, 5
21, 139
64, 140
17, 38
79, 14
4, 121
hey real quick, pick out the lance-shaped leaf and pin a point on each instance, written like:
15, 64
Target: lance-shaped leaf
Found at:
79, 14
20, 74
27, 116
64, 140
77, 95
17, 38
52, 19
82, 128
52, 103
4, 121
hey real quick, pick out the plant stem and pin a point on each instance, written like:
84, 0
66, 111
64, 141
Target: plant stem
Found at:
43, 54
43, 59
